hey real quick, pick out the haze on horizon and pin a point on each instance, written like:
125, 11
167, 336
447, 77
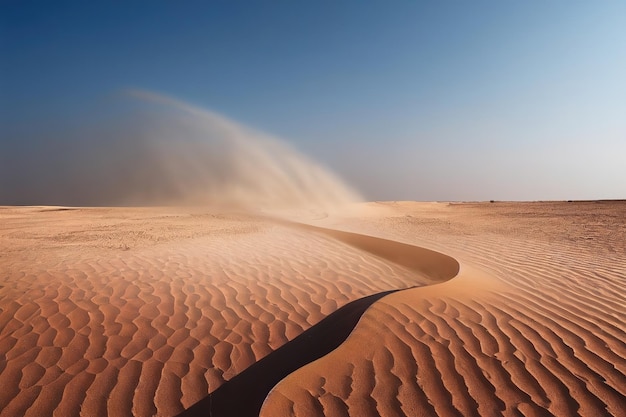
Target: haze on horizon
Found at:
429, 101
168, 152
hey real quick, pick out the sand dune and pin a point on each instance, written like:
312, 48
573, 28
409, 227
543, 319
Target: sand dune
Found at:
145, 311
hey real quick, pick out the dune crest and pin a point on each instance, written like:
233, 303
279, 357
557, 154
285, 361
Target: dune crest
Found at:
243, 395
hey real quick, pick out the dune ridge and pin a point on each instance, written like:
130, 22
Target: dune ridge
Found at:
243, 395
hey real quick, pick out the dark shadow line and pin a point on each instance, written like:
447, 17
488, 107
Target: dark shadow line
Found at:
243, 395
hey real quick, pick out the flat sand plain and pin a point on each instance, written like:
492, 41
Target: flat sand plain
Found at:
144, 311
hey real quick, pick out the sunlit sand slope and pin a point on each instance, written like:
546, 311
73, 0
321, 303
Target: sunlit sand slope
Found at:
533, 325
144, 311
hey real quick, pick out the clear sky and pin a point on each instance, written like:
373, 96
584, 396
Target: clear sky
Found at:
422, 100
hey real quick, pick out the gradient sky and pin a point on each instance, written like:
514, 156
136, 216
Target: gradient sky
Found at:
454, 100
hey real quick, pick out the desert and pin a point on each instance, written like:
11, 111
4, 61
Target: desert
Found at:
504, 308
312, 209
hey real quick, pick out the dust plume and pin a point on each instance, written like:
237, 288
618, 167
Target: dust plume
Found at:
169, 153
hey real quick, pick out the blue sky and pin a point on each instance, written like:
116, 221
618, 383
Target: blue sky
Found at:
450, 100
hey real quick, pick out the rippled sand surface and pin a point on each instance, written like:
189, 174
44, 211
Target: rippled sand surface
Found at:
144, 311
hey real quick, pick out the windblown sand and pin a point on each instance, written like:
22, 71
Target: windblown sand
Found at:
145, 311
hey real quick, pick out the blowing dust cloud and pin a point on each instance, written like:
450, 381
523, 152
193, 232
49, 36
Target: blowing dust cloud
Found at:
169, 153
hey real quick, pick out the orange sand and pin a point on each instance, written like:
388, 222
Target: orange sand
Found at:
144, 311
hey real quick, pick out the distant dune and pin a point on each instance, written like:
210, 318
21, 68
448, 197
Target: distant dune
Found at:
503, 309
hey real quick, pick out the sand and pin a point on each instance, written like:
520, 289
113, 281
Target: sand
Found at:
144, 311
